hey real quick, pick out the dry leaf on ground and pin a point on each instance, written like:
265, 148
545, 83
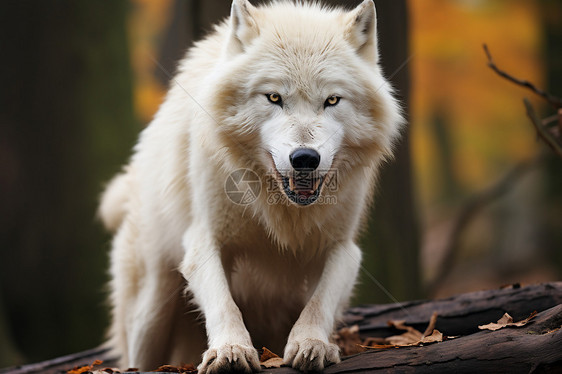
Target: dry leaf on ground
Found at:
85, 368
507, 321
79, 370
275, 362
349, 341
269, 359
413, 336
410, 337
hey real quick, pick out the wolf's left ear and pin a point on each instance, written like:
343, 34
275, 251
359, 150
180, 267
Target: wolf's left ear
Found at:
362, 30
243, 26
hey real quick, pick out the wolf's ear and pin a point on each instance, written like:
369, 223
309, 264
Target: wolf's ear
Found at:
361, 30
243, 26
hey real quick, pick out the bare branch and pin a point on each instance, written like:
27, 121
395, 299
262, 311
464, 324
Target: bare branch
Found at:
469, 211
540, 125
552, 100
550, 121
480, 200
541, 130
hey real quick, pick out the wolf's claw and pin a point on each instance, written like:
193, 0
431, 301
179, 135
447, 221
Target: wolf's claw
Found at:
230, 358
311, 354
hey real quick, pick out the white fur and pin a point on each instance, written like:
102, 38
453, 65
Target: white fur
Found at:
194, 273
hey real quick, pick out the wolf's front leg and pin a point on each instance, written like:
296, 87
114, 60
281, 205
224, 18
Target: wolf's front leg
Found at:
229, 345
308, 347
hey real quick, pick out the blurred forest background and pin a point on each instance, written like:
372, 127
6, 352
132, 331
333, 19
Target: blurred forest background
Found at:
80, 79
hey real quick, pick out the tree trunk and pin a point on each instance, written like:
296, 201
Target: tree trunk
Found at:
551, 10
391, 241
66, 125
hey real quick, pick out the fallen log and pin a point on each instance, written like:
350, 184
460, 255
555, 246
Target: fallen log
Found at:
460, 314
533, 348
63, 364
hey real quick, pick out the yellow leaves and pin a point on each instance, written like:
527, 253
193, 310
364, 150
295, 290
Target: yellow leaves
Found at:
148, 21
148, 96
486, 125
506, 321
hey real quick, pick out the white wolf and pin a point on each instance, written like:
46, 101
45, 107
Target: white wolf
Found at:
293, 94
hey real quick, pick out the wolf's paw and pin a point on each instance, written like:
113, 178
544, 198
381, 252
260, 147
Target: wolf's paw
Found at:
230, 358
311, 354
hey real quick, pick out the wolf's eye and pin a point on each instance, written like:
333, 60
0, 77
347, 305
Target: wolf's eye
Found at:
274, 98
332, 101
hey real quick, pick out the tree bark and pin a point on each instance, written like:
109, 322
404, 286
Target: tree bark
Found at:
534, 348
552, 208
457, 315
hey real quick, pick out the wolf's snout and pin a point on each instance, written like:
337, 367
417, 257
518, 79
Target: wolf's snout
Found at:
305, 159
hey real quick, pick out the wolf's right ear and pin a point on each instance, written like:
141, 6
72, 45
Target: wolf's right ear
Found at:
243, 26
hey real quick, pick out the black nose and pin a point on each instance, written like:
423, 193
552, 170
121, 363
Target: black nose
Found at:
305, 159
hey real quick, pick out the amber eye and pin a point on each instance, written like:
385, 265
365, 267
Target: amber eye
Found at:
332, 101
274, 98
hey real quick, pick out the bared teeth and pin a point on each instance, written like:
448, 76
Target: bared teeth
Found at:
304, 186
317, 184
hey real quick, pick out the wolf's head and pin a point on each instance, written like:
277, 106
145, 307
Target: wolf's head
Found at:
301, 96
